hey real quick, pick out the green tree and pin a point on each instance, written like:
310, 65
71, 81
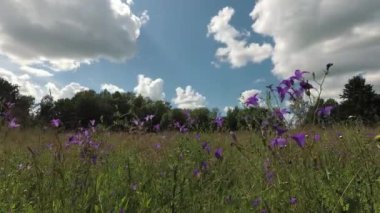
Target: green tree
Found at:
8, 91
358, 100
232, 119
23, 104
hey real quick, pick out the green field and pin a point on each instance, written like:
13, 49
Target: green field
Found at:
164, 172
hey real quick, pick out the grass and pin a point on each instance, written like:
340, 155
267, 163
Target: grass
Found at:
131, 174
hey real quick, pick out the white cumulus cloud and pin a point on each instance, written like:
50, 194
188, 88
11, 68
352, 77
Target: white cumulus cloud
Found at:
111, 88
188, 98
67, 91
26, 87
309, 34
227, 108
61, 35
149, 88
35, 71
237, 51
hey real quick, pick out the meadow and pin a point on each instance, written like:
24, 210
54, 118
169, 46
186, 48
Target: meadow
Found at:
94, 170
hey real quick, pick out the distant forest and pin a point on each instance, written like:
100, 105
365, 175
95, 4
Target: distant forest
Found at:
129, 112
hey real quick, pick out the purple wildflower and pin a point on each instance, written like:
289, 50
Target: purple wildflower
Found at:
269, 174
177, 124
9, 105
196, 173
181, 128
187, 113
317, 137
219, 153
305, 85
94, 144
278, 142
325, 111
55, 122
206, 147
298, 75
204, 165
287, 82
136, 122
280, 131
279, 113
300, 139
157, 146
282, 92
293, 201
219, 121
149, 117
157, 127
252, 100
297, 93
94, 159
256, 202
13, 124
74, 139
197, 136
49, 146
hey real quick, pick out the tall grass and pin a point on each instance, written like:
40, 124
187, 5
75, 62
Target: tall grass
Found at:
164, 173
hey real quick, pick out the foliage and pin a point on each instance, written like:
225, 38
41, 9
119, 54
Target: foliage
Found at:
359, 100
23, 105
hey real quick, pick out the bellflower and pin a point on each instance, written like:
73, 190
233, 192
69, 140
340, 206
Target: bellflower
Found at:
325, 111
196, 173
157, 146
197, 136
219, 153
279, 113
252, 100
149, 117
156, 127
13, 124
206, 147
300, 139
279, 130
317, 137
293, 201
287, 82
204, 165
256, 202
282, 92
298, 75
278, 142
55, 122
305, 85
219, 121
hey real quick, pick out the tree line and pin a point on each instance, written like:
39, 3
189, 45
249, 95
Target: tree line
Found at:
128, 111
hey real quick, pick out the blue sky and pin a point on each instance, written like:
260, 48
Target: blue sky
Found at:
221, 48
174, 46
